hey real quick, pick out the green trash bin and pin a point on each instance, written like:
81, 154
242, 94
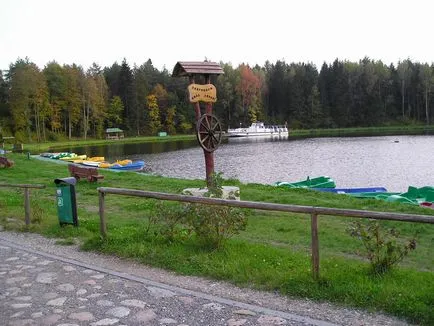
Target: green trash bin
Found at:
66, 203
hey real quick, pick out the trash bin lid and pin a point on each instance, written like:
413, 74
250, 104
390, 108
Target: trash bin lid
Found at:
69, 180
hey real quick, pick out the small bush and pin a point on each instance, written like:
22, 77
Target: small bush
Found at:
384, 248
169, 221
212, 225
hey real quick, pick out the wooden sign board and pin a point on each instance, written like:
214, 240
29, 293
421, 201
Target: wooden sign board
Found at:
202, 93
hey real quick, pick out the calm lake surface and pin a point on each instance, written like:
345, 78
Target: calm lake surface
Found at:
394, 162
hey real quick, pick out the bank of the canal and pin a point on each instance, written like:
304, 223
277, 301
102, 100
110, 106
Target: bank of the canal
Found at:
36, 148
272, 254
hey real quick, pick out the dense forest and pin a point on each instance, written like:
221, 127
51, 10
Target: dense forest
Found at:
65, 101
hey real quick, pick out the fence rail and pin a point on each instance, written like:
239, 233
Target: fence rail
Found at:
312, 210
26, 187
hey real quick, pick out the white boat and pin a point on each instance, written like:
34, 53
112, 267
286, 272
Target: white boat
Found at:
90, 163
258, 129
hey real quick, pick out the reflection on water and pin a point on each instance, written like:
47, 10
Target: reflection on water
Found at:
118, 151
259, 139
394, 162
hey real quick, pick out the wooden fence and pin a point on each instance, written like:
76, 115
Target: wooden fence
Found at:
312, 210
26, 188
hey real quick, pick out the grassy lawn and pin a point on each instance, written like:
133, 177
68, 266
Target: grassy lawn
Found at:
272, 254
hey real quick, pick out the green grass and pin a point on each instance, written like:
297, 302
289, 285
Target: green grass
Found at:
272, 254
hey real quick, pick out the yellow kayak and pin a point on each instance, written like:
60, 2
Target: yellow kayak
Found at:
73, 158
105, 165
96, 159
124, 162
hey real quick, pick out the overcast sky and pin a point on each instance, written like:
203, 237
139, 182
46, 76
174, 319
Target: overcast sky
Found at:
235, 31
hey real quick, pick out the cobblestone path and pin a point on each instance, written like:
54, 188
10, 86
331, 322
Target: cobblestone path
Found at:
44, 289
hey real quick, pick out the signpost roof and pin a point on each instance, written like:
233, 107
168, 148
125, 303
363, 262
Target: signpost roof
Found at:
188, 68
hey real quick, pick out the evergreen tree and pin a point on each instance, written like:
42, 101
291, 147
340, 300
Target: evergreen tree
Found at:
57, 84
115, 112
5, 118
126, 93
98, 99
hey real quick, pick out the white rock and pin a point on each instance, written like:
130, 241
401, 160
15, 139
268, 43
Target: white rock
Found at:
105, 303
160, 293
118, 312
81, 291
65, 287
167, 321
57, 302
271, 320
105, 322
234, 322
38, 314
134, 303
46, 278
145, 316
20, 305
82, 316
69, 268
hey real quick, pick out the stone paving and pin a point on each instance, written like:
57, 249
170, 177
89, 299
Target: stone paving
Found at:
43, 289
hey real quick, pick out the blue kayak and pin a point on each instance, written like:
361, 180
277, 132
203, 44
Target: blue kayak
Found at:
134, 166
352, 190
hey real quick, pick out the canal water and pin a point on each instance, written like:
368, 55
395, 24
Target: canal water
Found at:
394, 162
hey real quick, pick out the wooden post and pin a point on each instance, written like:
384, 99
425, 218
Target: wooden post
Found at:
315, 246
27, 206
102, 225
209, 156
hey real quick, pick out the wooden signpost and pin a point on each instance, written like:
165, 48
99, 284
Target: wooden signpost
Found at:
208, 127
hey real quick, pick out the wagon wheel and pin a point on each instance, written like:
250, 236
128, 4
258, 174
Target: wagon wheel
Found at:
209, 132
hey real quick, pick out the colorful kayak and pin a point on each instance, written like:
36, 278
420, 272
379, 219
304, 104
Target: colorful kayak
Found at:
416, 196
375, 190
57, 156
318, 182
73, 158
133, 166
124, 162
96, 158
91, 163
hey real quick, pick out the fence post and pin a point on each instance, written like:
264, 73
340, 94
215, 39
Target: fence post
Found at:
103, 227
27, 206
315, 246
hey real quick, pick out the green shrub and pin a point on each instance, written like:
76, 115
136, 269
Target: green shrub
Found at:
211, 224
384, 248
214, 224
169, 221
